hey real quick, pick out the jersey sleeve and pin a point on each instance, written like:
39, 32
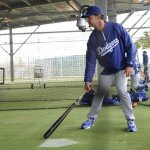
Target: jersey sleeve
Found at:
90, 62
129, 47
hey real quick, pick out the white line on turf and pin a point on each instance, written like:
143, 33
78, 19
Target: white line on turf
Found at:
57, 143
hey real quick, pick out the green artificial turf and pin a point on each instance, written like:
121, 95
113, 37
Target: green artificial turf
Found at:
23, 130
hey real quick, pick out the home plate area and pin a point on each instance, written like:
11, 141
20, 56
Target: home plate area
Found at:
57, 143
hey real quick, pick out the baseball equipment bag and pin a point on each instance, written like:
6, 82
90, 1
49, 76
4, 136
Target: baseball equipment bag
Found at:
139, 96
88, 98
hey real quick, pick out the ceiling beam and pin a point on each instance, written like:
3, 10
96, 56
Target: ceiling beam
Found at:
16, 16
5, 4
27, 2
74, 4
141, 27
128, 16
137, 21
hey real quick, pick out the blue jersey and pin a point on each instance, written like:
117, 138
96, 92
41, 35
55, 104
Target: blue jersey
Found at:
112, 47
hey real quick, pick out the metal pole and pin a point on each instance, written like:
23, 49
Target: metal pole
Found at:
103, 5
111, 11
11, 55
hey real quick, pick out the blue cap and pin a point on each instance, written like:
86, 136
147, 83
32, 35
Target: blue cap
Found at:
92, 10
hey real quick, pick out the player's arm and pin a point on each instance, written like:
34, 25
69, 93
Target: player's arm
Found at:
130, 50
90, 66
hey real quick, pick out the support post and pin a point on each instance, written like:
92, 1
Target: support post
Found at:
11, 55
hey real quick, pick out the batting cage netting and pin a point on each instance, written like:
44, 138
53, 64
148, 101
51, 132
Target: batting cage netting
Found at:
55, 83
48, 70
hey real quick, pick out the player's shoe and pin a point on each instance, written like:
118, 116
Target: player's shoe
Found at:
88, 124
131, 126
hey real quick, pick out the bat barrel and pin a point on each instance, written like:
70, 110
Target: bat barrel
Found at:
60, 119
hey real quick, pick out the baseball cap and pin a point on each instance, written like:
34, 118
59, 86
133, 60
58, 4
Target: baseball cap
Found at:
92, 10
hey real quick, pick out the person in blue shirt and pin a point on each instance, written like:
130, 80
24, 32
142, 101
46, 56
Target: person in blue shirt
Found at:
136, 77
113, 48
145, 59
145, 64
136, 82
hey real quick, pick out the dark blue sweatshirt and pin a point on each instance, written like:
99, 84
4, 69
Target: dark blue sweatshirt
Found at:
145, 59
112, 47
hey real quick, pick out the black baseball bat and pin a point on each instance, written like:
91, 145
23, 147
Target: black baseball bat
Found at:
61, 118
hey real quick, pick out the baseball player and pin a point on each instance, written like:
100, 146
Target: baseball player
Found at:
112, 47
